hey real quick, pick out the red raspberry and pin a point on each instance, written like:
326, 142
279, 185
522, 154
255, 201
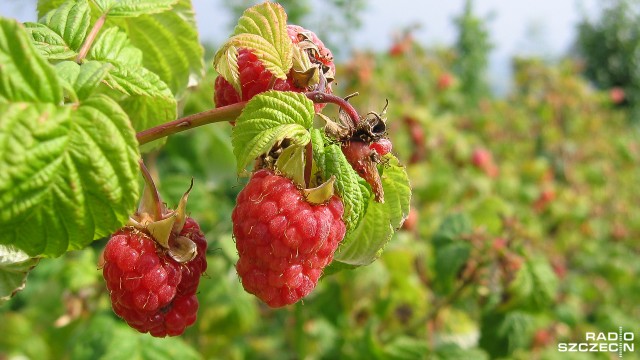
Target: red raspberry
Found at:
283, 241
137, 277
150, 290
382, 146
255, 79
171, 320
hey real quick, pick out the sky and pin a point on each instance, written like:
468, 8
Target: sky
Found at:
525, 27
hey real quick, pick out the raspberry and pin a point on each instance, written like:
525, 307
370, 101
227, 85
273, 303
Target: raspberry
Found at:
382, 146
171, 320
137, 278
364, 160
298, 34
150, 290
283, 241
255, 79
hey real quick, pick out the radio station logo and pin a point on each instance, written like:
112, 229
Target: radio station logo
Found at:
619, 342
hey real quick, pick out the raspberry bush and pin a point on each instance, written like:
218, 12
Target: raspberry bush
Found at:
294, 242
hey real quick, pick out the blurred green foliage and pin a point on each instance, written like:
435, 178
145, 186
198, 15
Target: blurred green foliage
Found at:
610, 49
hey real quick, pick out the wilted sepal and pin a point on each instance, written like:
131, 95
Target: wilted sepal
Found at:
164, 225
183, 249
304, 73
291, 163
322, 193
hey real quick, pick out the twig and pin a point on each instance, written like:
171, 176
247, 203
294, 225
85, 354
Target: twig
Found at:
225, 113
84, 49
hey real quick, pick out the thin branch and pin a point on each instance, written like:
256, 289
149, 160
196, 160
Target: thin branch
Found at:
230, 113
225, 113
84, 50
321, 98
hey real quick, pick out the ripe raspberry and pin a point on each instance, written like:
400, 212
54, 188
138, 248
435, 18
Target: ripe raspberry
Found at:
283, 241
150, 290
137, 277
171, 320
255, 79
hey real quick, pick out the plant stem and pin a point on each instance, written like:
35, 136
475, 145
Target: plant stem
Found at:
225, 113
230, 113
321, 98
84, 50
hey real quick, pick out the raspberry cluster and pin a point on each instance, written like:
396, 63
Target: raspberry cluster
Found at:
150, 290
255, 78
284, 242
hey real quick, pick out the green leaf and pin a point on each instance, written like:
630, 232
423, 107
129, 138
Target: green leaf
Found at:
14, 268
452, 351
61, 32
149, 101
534, 287
406, 348
51, 45
69, 174
126, 346
133, 8
267, 119
503, 333
71, 21
366, 242
517, 328
335, 267
451, 250
261, 29
107, 338
170, 44
453, 227
24, 74
450, 259
354, 196
85, 78
44, 6
317, 146
113, 45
